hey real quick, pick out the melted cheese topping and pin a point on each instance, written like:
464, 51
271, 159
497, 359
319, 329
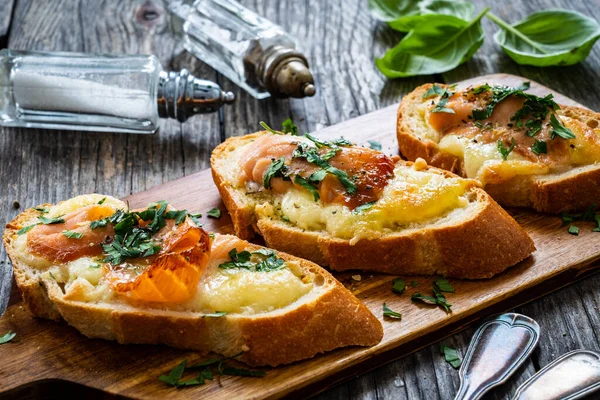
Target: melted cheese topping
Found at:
412, 196
237, 291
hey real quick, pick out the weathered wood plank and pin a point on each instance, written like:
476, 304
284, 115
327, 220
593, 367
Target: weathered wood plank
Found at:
6, 7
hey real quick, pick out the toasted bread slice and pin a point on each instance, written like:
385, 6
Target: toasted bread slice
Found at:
427, 221
564, 178
289, 313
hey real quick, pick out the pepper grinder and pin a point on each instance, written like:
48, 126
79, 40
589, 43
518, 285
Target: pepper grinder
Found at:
250, 50
90, 92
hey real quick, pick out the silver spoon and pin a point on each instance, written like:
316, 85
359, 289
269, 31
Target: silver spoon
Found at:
573, 375
497, 349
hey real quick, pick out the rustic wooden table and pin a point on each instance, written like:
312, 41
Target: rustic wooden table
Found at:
341, 40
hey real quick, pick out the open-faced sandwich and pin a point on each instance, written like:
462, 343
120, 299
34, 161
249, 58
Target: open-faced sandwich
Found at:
526, 150
153, 276
350, 207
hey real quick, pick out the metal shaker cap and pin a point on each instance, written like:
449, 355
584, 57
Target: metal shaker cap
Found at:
181, 95
284, 72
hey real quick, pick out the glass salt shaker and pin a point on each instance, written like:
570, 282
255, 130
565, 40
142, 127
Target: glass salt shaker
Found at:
250, 50
91, 92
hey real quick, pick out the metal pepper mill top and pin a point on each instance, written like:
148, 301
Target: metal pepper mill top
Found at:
181, 95
284, 72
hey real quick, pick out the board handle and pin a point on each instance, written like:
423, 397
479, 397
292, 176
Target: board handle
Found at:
497, 349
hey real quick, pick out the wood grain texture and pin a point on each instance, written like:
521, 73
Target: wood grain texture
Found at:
554, 264
340, 39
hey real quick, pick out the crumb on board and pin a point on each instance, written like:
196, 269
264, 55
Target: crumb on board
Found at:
357, 278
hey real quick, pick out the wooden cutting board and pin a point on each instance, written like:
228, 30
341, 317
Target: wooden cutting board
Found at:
47, 356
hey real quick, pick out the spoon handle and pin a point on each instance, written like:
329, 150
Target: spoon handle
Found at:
573, 375
497, 349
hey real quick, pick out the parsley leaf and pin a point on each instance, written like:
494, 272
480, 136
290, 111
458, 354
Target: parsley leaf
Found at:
398, 285
539, 147
573, 230
269, 260
95, 265
435, 90
175, 375
276, 169
195, 219
49, 221
298, 180
178, 215
102, 200
216, 314
289, 127
389, 313
414, 283
444, 285
214, 213
268, 128
504, 151
374, 144
7, 337
363, 207
499, 93
559, 129
72, 234
43, 210
451, 356
26, 229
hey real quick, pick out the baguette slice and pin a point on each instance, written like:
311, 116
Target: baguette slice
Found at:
325, 316
477, 240
542, 185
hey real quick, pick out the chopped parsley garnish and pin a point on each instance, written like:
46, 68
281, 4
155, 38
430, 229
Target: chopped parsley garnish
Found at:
451, 356
216, 314
374, 144
43, 210
195, 219
7, 337
444, 285
438, 297
72, 234
102, 200
414, 283
214, 213
589, 215
504, 152
175, 375
312, 188
285, 218
95, 265
499, 93
363, 207
444, 94
267, 260
311, 155
333, 144
276, 169
559, 129
26, 229
132, 240
539, 147
398, 285
289, 127
268, 128
389, 313
50, 221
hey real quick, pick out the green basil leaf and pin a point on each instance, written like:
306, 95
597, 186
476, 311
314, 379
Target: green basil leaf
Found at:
389, 313
548, 38
403, 15
437, 44
7, 337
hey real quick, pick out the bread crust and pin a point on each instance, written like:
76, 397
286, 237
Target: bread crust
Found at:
493, 239
543, 193
333, 318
